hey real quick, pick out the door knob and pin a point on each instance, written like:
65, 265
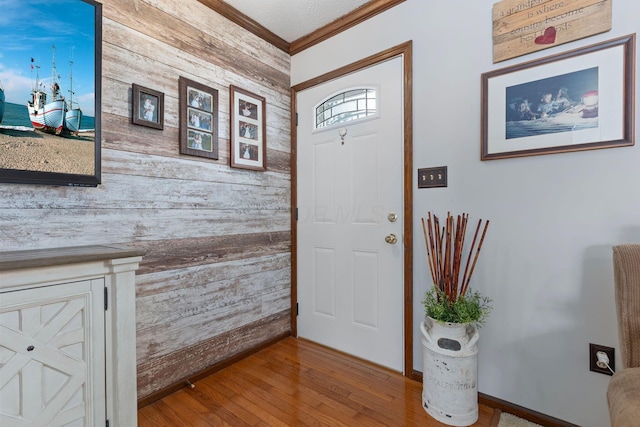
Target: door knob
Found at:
391, 239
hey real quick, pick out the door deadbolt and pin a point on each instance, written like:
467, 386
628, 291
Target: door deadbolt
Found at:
392, 217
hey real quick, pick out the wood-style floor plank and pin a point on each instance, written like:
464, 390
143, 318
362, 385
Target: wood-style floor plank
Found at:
298, 383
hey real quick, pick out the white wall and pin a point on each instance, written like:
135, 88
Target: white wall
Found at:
546, 260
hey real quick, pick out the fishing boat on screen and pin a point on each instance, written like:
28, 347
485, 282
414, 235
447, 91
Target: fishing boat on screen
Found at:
73, 115
1, 102
50, 112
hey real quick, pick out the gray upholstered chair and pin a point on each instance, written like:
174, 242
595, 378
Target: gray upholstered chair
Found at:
623, 393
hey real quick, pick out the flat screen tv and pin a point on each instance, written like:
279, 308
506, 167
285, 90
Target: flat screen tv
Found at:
50, 84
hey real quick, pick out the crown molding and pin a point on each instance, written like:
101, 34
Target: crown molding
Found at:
247, 23
341, 24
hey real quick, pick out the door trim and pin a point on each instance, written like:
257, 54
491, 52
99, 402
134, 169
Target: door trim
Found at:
403, 50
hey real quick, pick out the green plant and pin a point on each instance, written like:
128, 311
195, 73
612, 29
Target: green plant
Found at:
471, 307
450, 299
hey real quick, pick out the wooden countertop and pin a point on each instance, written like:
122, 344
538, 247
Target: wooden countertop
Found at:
13, 260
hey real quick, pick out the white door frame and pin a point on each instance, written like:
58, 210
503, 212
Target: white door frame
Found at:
405, 51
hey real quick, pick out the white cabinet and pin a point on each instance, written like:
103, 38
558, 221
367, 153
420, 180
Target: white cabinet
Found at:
53, 360
67, 337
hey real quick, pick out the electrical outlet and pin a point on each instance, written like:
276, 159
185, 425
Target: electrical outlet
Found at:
601, 368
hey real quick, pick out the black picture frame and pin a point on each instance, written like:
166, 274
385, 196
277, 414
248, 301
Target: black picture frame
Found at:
54, 168
573, 101
198, 119
148, 107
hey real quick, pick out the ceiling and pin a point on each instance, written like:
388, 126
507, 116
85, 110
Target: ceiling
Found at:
293, 19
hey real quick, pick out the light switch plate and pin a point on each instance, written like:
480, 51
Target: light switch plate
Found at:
432, 177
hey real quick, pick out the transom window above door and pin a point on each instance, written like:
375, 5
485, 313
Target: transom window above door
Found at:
350, 105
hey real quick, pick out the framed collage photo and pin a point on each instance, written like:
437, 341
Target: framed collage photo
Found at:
148, 107
577, 100
247, 130
198, 119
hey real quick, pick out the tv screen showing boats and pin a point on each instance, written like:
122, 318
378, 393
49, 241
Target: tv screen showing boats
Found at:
50, 93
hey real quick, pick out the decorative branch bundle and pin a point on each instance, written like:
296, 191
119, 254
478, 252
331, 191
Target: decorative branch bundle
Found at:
445, 248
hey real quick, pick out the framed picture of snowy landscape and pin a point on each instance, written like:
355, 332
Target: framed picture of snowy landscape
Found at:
578, 100
50, 92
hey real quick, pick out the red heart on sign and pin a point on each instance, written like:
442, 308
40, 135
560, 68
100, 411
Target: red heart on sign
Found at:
548, 37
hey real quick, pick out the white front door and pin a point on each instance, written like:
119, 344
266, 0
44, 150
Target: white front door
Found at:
349, 188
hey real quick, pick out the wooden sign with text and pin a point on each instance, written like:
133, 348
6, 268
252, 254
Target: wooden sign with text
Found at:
525, 26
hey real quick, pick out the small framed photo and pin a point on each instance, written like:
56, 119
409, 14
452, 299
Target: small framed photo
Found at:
247, 130
577, 100
198, 119
148, 107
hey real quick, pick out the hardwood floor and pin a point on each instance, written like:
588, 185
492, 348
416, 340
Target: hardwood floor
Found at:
298, 383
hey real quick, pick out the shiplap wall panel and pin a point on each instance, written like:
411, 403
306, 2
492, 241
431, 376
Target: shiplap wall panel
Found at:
196, 41
231, 303
160, 282
155, 373
217, 26
147, 141
169, 193
206, 250
122, 58
278, 131
125, 163
117, 134
92, 226
216, 278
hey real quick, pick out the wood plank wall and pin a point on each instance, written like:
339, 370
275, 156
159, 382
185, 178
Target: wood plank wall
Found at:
217, 274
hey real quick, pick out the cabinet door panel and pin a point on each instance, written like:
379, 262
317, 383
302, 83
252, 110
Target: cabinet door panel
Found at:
52, 355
